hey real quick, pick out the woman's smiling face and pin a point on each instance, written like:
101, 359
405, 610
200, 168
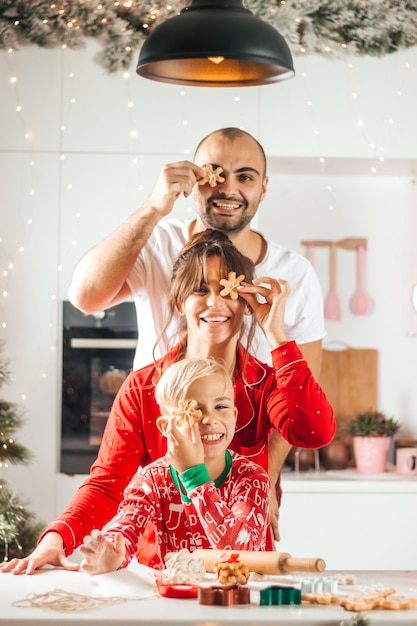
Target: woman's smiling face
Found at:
211, 317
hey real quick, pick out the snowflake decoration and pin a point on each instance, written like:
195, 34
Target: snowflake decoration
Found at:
230, 284
186, 412
167, 491
212, 177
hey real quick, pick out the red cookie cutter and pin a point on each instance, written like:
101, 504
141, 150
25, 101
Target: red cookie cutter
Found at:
178, 590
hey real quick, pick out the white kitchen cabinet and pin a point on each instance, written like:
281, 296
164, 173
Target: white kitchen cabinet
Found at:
351, 520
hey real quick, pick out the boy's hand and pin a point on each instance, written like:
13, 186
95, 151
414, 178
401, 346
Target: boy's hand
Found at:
101, 555
185, 448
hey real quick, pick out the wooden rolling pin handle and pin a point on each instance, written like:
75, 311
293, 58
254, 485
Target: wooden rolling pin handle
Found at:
260, 562
269, 563
292, 564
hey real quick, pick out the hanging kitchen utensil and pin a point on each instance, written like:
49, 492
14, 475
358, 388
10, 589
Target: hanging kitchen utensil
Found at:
351, 243
309, 251
332, 306
360, 302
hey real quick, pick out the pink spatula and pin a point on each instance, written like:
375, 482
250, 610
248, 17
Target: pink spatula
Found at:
332, 307
360, 302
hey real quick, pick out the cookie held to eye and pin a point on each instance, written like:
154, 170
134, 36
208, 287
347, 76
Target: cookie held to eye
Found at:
186, 412
212, 177
230, 284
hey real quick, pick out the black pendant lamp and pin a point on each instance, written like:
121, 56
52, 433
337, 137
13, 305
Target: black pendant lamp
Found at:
215, 44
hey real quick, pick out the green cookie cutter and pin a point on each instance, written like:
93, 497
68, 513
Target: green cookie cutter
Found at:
280, 595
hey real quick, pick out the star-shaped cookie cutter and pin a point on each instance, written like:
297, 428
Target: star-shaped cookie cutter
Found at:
186, 412
230, 284
211, 176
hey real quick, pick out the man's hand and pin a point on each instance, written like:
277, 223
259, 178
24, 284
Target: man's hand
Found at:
274, 512
50, 551
278, 449
175, 179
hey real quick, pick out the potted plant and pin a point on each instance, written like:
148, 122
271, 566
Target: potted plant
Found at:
371, 433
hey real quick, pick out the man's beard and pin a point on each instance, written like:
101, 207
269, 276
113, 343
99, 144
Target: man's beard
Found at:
225, 223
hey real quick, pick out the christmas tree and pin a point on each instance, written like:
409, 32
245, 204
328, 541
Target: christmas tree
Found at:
18, 529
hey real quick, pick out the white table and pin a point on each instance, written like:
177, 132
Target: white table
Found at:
157, 611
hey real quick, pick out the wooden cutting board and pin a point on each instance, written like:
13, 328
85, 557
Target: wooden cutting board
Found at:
349, 379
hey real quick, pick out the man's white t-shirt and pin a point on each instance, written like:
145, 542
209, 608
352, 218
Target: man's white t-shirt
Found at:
150, 280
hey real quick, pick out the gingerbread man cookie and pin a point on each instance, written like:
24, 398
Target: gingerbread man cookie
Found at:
230, 284
365, 601
186, 412
232, 571
212, 177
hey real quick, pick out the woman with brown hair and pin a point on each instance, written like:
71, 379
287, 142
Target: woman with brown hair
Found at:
208, 291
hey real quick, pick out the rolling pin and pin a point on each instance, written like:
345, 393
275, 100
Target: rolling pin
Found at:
262, 562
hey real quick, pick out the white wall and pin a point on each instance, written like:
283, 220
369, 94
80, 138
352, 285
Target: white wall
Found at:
77, 158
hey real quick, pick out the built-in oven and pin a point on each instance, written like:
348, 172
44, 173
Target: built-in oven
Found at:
97, 355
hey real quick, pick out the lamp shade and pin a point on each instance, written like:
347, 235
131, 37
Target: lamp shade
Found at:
215, 44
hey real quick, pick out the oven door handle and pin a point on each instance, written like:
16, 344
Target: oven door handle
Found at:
111, 344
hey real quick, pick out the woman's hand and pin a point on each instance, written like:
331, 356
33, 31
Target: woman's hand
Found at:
269, 308
184, 446
101, 555
50, 551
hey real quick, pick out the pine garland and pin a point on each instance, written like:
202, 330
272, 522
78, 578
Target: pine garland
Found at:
329, 27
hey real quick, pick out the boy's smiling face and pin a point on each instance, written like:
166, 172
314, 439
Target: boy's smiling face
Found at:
215, 399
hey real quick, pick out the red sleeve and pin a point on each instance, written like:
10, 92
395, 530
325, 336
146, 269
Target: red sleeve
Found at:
236, 515
299, 408
135, 512
121, 452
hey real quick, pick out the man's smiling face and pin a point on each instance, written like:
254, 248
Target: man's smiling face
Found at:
231, 205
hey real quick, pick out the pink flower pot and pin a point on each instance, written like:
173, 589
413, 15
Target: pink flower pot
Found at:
371, 454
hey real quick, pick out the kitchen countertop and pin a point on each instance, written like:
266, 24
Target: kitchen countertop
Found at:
348, 480
158, 611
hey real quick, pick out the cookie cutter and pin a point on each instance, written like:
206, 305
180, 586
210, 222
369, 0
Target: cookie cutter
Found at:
177, 590
224, 596
280, 595
318, 585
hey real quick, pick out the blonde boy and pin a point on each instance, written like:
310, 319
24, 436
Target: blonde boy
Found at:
200, 494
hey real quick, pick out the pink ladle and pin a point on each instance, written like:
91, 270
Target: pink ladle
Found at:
360, 302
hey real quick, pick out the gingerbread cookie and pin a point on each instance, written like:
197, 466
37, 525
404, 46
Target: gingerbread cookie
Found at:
186, 412
211, 176
382, 599
320, 598
365, 601
230, 284
232, 571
